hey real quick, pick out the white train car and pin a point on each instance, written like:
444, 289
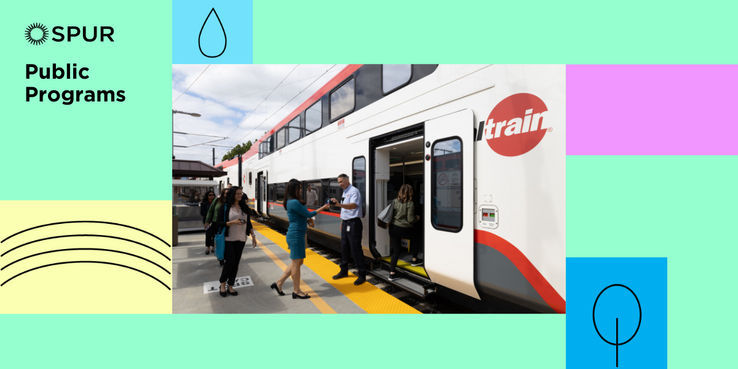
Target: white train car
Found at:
483, 147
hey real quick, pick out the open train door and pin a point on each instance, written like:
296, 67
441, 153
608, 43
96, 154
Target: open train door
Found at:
449, 201
261, 193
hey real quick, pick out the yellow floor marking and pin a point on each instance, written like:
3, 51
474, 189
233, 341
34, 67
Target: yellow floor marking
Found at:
314, 298
367, 296
405, 265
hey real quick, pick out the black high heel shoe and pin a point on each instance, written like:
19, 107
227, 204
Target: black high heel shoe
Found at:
274, 287
296, 296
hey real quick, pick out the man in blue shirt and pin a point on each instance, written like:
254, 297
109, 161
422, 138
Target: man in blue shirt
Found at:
351, 229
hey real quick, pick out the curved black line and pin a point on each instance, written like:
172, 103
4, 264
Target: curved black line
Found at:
640, 315
82, 249
86, 221
87, 235
221, 27
85, 261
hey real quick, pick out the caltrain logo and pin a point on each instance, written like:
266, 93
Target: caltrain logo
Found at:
516, 125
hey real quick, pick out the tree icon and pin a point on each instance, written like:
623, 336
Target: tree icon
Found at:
617, 342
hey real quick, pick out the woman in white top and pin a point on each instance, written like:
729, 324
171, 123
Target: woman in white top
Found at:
235, 217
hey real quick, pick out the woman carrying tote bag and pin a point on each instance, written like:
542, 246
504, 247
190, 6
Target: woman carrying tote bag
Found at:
212, 219
235, 217
401, 226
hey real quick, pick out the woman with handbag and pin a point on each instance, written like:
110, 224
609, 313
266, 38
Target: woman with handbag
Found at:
401, 226
299, 216
205, 205
235, 217
212, 217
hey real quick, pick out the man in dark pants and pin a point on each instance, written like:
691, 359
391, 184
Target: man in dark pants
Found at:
351, 229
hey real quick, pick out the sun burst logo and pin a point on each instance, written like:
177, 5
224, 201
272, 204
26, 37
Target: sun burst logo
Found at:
38, 40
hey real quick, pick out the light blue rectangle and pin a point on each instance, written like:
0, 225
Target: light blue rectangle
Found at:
212, 32
616, 313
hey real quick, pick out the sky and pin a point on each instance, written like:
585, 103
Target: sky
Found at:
239, 102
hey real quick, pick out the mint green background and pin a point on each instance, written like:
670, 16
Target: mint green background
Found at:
88, 151
682, 208
474, 31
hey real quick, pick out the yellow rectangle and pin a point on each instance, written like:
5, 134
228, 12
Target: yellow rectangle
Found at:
85, 257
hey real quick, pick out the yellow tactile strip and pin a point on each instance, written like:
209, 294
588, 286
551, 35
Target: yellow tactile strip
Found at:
366, 296
314, 298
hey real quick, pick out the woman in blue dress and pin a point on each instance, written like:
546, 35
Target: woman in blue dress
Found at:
298, 215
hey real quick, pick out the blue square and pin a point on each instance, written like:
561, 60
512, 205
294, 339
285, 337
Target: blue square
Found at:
212, 32
616, 300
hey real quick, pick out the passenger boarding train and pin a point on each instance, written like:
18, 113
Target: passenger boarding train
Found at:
483, 147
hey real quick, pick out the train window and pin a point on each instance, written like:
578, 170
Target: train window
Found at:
312, 192
279, 192
267, 146
313, 118
270, 193
395, 76
280, 138
446, 189
261, 150
293, 130
342, 100
250, 178
358, 179
334, 191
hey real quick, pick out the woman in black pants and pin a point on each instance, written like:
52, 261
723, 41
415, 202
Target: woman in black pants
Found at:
212, 219
401, 226
235, 217
205, 205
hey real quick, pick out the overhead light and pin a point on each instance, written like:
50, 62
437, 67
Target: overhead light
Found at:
408, 163
184, 112
398, 143
179, 112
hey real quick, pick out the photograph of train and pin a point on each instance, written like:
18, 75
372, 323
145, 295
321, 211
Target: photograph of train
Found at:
481, 146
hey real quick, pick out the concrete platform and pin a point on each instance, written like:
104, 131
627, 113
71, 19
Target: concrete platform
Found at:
264, 265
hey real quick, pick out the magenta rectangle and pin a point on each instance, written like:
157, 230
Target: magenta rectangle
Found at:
652, 109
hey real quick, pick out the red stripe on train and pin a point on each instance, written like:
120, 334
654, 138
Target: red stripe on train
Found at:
337, 215
534, 277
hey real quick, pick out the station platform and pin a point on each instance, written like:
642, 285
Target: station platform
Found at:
263, 265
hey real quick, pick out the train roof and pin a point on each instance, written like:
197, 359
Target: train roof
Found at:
338, 78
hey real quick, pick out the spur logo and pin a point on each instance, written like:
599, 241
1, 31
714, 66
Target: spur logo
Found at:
516, 125
37, 33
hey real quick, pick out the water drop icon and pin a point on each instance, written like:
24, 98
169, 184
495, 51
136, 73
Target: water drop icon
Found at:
212, 34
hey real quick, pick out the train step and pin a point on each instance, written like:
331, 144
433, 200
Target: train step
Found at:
416, 285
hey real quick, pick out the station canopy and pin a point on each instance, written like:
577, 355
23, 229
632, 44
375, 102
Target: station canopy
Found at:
194, 168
